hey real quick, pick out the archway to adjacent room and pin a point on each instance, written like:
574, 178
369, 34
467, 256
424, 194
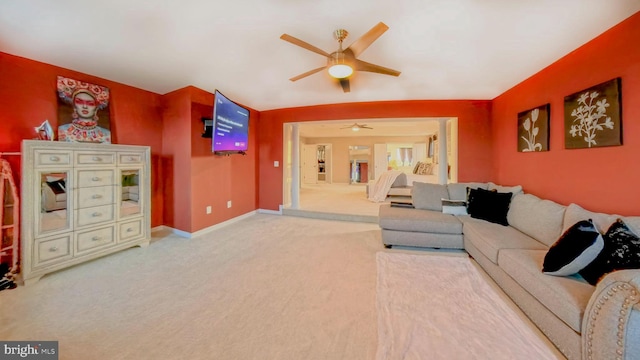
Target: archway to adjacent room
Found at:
397, 144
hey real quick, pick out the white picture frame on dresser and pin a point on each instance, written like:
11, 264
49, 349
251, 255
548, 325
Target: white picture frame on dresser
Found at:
81, 201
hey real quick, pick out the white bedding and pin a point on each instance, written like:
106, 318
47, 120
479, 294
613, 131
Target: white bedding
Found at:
378, 191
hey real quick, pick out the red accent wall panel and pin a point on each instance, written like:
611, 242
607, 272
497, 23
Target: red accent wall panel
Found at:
217, 179
474, 135
599, 179
28, 97
176, 159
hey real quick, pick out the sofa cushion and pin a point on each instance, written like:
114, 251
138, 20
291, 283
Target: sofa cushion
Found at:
621, 251
427, 196
489, 205
490, 238
566, 297
575, 213
458, 191
575, 249
540, 219
397, 218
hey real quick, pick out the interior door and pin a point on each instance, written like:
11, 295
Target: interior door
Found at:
328, 164
380, 160
309, 164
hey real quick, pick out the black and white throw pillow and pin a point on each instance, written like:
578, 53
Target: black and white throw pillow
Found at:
621, 251
574, 250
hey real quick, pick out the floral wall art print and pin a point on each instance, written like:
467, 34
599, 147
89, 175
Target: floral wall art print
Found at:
592, 117
533, 129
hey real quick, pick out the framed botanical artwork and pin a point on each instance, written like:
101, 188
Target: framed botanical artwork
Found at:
83, 112
592, 117
533, 129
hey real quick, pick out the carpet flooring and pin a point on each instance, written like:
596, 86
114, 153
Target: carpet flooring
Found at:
265, 287
453, 314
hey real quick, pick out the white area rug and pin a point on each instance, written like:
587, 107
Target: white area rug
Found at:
441, 307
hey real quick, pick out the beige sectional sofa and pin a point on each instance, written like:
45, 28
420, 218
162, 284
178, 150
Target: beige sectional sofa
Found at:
583, 321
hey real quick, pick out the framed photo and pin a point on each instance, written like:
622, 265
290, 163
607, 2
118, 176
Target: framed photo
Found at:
533, 129
83, 112
592, 117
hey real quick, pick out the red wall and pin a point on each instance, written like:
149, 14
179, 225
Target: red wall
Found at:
28, 97
474, 135
218, 179
600, 179
176, 159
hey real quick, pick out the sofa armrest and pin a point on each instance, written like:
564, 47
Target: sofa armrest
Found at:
612, 318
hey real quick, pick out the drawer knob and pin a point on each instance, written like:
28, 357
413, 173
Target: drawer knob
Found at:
129, 229
97, 158
131, 158
96, 214
53, 249
97, 196
54, 158
95, 238
95, 178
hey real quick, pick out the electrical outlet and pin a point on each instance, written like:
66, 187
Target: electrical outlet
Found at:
276, 163
208, 209
228, 204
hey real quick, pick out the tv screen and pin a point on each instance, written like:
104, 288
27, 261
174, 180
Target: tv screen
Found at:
230, 126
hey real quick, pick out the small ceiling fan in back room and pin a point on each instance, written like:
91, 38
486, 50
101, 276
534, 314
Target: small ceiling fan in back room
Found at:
357, 127
343, 62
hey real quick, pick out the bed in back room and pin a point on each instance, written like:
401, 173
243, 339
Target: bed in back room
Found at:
399, 183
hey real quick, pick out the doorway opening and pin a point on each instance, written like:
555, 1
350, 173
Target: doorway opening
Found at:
360, 157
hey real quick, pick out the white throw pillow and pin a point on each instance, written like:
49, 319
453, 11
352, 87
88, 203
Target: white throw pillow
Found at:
506, 189
454, 207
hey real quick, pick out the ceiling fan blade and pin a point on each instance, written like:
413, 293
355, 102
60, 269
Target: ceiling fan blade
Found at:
303, 44
345, 85
365, 66
367, 39
310, 72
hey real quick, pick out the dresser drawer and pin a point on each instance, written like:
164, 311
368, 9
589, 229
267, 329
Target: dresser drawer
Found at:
130, 230
94, 215
88, 178
87, 241
52, 250
130, 158
52, 158
93, 158
95, 196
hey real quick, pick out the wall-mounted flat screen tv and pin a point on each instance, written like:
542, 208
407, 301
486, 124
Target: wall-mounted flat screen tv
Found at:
230, 126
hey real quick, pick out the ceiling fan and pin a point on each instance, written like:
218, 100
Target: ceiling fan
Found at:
357, 127
342, 62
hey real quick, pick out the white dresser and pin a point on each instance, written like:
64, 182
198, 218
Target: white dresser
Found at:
81, 201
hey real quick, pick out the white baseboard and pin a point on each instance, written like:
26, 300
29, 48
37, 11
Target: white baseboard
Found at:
189, 235
272, 212
160, 228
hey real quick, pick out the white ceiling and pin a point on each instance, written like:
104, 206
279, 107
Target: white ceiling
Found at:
455, 49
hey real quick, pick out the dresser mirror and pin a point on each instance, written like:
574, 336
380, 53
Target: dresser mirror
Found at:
130, 196
54, 201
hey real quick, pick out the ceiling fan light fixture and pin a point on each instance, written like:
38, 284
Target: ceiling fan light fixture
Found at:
355, 128
338, 65
340, 71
